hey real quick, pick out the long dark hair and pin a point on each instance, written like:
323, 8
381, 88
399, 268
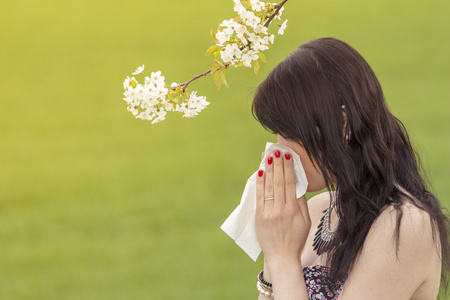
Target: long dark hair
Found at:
318, 95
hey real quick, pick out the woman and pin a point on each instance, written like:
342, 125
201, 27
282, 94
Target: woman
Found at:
383, 235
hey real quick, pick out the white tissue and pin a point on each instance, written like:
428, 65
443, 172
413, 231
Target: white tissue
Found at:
240, 225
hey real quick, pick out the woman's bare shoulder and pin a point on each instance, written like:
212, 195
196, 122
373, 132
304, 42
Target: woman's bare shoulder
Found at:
414, 226
407, 268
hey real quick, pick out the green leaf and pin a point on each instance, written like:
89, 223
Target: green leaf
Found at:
247, 5
224, 80
216, 56
213, 34
264, 15
262, 57
218, 78
175, 99
212, 49
217, 65
260, 14
173, 94
256, 66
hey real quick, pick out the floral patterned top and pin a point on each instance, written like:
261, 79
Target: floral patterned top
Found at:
316, 283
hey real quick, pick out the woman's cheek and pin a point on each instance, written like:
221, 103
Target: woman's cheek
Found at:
315, 182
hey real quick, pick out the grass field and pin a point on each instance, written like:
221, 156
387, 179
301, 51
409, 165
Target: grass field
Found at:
95, 204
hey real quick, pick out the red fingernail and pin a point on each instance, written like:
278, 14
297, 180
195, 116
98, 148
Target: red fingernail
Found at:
270, 160
287, 156
277, 154
260, 173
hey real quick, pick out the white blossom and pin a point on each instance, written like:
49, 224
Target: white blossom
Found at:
261, 29
197, 103
259, 47
160, 116
194, 105
259, 44
157, 78
230, 52
238, 7
241, 31
222, 37
188, 113
144, 116
282, 28
149, 99
257, 5
139, 70
250, 18
129, 82
168, 106
132, 94
278, 15
248, 57
268, 39
226, 23
133, 109
228, 31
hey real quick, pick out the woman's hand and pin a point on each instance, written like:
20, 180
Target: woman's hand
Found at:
282, 221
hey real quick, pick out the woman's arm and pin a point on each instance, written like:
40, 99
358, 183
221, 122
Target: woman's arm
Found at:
282, 226
289, 282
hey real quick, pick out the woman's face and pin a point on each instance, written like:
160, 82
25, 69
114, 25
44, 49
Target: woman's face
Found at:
315, 178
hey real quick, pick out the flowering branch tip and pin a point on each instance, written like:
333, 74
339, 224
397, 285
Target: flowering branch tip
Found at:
239, 42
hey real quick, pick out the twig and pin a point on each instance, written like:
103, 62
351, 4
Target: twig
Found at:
269, 20
279, 6
185, 84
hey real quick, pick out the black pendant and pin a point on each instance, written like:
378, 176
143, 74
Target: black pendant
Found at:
319, 245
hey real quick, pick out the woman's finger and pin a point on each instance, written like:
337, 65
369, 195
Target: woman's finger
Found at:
289, 180
268, 186
278, 179
260, 191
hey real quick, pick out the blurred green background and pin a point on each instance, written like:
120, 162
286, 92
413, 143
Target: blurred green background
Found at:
95, 204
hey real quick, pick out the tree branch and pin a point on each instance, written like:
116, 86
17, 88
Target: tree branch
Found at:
185, 84
266, 24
